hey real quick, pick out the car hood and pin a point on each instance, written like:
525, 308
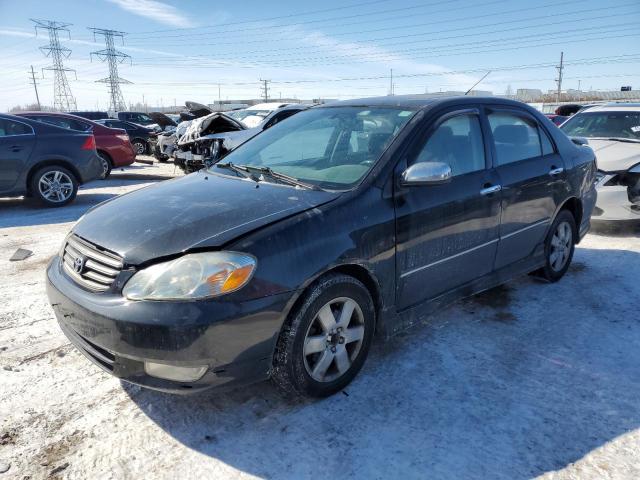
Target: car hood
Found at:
197, 109
615, 156
162, 120
201, 210
214, 123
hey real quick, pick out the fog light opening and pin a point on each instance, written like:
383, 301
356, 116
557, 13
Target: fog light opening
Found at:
175, 373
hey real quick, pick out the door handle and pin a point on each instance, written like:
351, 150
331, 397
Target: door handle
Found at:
490, 190
16, 148
556, 171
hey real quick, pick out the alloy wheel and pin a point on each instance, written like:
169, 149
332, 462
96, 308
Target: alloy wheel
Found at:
140, 147
561, 243
334, 339
55, 186
105, 166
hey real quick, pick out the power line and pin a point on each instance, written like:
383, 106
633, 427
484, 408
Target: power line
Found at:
308, 22
35, 86
62, 97
113, 57
208, 27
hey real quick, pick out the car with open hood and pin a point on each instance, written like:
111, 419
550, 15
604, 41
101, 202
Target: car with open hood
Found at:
613, 132
210, 147
346, 221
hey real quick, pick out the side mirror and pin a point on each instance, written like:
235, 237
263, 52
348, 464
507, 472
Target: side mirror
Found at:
580, 141
426, 173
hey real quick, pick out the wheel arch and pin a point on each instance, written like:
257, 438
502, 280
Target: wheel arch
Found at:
573, 205
52, 162
355, 270
105, 153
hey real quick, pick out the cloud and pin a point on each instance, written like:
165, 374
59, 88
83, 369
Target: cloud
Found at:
155, 10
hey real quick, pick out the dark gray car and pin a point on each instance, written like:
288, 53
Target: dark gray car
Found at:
45, 161
284, 259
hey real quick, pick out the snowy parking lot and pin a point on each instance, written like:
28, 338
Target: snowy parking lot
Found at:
528, 379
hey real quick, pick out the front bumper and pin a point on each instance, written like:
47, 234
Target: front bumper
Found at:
613, 205
235, 339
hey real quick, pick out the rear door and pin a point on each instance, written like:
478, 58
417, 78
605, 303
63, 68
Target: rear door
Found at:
17, 140
532, 178
447, 234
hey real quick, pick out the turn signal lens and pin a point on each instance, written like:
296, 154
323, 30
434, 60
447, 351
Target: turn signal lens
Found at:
237, 279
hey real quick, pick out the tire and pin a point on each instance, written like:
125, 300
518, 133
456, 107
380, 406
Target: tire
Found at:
559, 247
139, 146
336, 350
107, 165
54, 186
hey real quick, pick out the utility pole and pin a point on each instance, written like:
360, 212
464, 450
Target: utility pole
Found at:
560, 69
62, 98
219, 98
391, 82
113, 57
35, 86
265, 89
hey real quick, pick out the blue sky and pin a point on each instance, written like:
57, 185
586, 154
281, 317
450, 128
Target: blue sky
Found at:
183, 50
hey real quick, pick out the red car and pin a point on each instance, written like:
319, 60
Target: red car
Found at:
112, 144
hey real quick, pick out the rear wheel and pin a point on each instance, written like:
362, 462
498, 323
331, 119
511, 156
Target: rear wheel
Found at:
54, 186
328, 339
559, 247
106, 164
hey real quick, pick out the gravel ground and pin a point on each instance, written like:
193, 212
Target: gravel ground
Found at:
529, 379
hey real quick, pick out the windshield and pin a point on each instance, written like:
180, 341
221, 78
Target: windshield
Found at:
242, 114
331, 147
604, 125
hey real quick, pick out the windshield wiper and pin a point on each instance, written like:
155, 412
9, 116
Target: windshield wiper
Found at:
622, 139
281, 176
241, 169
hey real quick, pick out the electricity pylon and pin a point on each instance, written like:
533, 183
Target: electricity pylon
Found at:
62, 98
113, 57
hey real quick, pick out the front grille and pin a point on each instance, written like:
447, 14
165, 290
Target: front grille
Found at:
89, 265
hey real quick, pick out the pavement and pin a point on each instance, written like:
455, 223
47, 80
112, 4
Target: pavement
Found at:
526, 380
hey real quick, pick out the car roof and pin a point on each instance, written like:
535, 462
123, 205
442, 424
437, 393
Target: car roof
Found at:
419, 102
57, 114
614, 107
267, 106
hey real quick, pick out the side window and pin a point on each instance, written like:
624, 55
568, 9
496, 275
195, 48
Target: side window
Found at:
10, 127
516, 137
457, 142
547, 146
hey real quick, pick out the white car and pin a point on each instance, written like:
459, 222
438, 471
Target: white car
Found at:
613, 132
255, 114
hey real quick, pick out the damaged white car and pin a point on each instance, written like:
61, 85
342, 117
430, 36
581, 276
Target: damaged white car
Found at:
613, 132
213, 136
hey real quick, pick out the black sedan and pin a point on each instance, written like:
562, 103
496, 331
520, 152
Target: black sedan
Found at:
142, 138
349, 220
45, 161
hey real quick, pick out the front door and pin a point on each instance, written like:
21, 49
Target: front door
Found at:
532, 177
447, 234
16, 143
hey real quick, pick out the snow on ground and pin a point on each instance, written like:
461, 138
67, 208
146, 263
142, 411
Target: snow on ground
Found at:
529, 379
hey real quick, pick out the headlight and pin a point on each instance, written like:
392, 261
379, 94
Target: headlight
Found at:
192, 276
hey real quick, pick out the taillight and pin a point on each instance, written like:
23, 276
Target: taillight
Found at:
123, 137
89, 143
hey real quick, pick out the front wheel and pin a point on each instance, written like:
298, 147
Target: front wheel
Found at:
139, 146
559, 247
105, 161
328, 339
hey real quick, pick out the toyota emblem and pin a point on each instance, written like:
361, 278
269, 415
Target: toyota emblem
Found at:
78, 264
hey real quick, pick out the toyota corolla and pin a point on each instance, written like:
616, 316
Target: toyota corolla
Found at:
344, 222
